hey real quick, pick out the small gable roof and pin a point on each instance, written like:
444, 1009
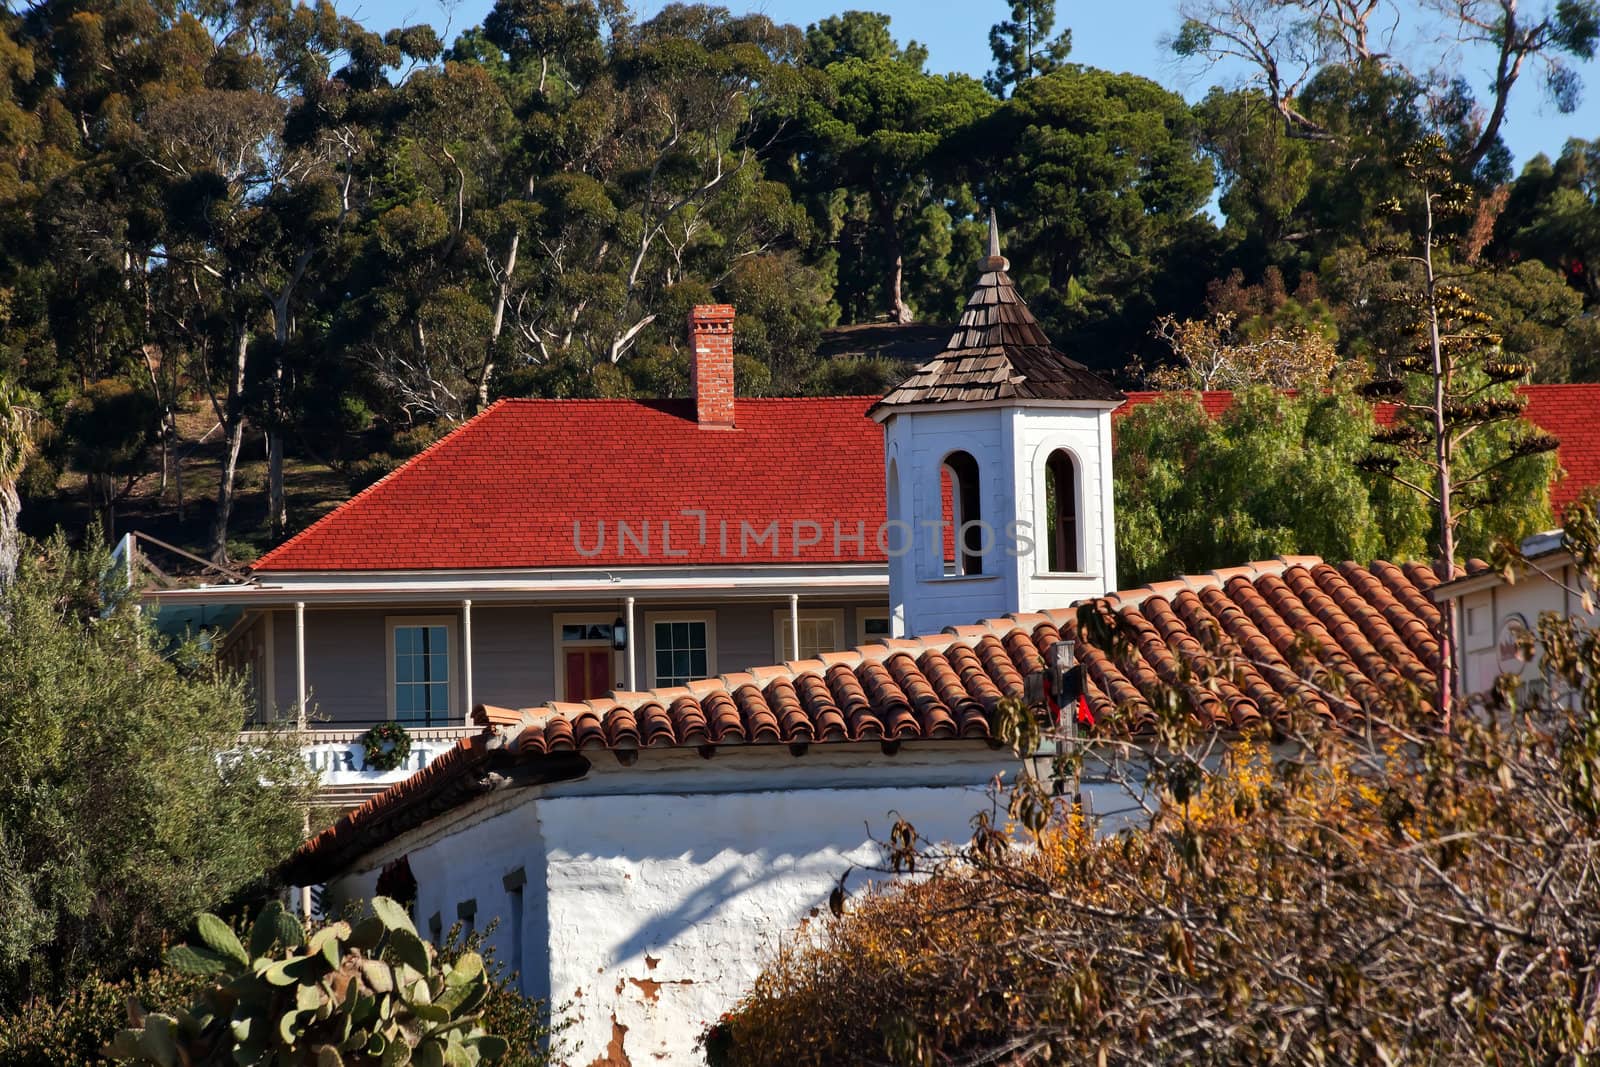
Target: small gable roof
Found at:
1248, 647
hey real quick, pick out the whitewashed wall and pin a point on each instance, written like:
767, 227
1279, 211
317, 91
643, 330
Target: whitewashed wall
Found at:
655, 893
1011, 446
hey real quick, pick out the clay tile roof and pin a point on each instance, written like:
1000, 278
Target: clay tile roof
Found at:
481, 497
502, 469
998, 352
1257, 645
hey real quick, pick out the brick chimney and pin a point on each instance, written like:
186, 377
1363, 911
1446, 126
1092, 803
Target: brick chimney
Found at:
711, 371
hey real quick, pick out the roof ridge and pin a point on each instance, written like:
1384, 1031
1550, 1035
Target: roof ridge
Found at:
282, 549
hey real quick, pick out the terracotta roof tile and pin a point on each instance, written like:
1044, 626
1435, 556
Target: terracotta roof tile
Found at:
523, 472
505, 468
1243, 645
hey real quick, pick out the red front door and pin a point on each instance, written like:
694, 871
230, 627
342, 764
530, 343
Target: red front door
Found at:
588, 673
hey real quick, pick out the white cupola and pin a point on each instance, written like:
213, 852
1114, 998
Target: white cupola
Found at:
997, 456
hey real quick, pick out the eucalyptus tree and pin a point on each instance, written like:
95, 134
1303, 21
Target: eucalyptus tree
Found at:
1434, 44
637, 162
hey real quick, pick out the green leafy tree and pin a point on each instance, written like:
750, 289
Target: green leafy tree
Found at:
1552, 214
1100, 184
111, 428
126, 800
858, 35
1022, 45
1285, 46
873, 156
1273, 475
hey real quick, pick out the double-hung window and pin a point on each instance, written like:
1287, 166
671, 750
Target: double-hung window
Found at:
421, 672
681, 649
820, 631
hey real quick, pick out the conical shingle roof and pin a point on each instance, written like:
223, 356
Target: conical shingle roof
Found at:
998, 352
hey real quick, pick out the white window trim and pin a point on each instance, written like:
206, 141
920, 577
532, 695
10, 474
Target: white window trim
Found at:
452, 637
780, 627
1041, 509
863, 614
653, 617
576, 618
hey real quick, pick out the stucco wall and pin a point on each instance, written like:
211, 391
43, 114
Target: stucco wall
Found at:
654, 894
1485, 613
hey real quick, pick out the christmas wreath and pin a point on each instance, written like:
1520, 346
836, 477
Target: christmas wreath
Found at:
386, 746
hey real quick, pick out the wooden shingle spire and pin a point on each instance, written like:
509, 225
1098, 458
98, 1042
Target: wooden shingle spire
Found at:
998, 352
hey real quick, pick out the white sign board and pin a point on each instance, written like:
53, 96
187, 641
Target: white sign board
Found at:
345, 762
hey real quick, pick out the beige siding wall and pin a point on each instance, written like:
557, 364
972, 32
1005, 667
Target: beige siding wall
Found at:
514, 650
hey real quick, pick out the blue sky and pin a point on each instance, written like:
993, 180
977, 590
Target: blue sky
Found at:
1124, 35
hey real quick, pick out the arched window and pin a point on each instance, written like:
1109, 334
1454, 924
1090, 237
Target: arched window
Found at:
962, 513
1061, 509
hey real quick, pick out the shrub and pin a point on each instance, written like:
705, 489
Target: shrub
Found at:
72, 1029
1397, 893
126, 802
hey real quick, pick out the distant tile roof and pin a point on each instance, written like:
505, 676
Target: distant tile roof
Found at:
1566, 412
998, 352
505, 489
1247, 646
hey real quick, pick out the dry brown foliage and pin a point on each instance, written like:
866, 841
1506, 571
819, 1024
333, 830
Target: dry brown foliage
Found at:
1401, 895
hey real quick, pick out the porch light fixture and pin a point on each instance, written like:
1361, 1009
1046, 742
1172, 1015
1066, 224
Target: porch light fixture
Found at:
619, 635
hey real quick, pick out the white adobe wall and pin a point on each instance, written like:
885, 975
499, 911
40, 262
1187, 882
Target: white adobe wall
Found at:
1011, 446
655, 893
662, 911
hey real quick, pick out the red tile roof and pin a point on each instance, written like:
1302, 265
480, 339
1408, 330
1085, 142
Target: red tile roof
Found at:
505, 489
1566, 412
1248, 646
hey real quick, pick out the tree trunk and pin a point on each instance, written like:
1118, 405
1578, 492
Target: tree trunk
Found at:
277, 506
276, 501
233, 437
10, 539
501, 297
1444, 565
895, 282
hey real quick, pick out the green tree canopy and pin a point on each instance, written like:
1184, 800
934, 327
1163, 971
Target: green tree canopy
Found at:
1100, 187
1276, 474
1022, 45
126, 799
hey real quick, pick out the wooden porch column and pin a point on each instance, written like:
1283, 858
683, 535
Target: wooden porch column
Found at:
300, 663
466, 656
794, 625
628, 652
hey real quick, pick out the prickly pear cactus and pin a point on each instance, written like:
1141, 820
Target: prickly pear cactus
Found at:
369, 995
